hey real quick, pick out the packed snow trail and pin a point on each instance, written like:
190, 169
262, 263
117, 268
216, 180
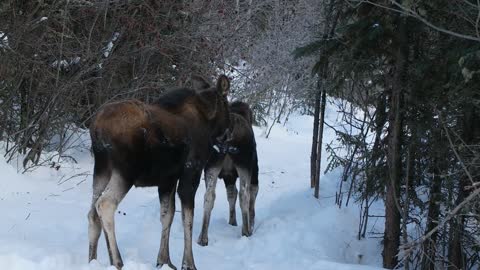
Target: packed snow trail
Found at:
44, 218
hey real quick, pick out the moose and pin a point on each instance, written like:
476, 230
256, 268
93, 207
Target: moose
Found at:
161, 144
237, 157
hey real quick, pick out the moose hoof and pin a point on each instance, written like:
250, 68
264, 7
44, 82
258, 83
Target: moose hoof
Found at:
233, 222
203, 241
246, 233
119, 265
192, 267
170, 265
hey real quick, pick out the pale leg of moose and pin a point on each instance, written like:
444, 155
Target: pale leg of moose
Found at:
232, 200
187, 217
100, 181
253, 196
211, 176
245, 199
106, 206
167, 211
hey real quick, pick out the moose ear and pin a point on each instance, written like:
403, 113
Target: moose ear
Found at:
223, 85
199, 83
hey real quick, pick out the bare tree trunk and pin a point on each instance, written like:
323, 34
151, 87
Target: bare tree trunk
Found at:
430, 246
329, 30
323, 104
456, 255
24, 117
365, 219
435, 197
391, 242
392, 215
313, 155
406, 202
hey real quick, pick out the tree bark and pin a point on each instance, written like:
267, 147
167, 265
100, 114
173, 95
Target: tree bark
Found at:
430, 246
456, 256
435, 198
329, 31
323, 104
313, 155
455, 253
392, 214
406, 203
391, 241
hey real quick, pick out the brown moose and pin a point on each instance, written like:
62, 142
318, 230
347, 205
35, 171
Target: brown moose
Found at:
158, 144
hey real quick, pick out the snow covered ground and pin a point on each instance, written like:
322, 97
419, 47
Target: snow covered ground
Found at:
43, 222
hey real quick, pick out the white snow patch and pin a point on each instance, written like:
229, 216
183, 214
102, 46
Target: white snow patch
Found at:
108, 49
3, 40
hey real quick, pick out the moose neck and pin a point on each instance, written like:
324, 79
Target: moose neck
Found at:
206, 103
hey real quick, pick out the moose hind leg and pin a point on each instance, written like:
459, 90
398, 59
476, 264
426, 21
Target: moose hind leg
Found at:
253, 196
253, 190
232, 193
244, 175
101, 177
106, 206
211, 176
167, 211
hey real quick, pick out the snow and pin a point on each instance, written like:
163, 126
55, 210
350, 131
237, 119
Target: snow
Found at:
66, 63
3, 40
108, 49
44, 217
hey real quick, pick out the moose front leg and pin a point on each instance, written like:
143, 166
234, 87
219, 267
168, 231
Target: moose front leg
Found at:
232, 194
253, 196
211, 176
244, 175
253, 190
